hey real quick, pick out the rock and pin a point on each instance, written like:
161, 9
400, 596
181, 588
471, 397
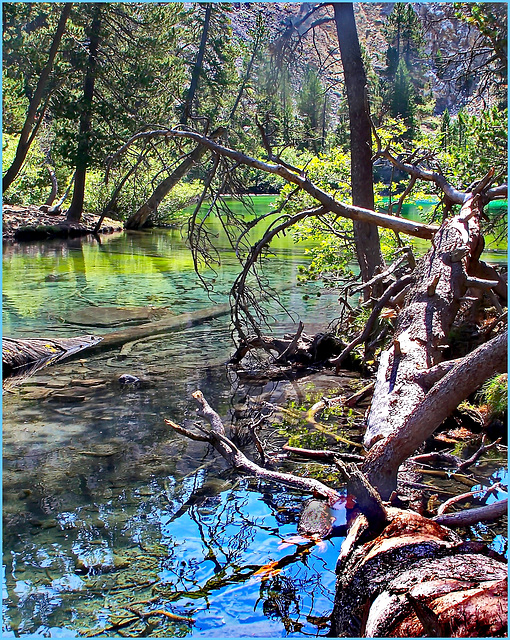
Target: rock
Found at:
128, 379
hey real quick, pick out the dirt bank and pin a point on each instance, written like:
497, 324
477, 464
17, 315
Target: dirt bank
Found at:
29, 222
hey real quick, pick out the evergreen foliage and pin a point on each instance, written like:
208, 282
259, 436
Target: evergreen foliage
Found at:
145, 63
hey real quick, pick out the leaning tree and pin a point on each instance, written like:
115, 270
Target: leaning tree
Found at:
383, 586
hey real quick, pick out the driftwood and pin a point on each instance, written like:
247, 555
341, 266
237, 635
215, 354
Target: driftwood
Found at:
298, 349
21, 358
468, 517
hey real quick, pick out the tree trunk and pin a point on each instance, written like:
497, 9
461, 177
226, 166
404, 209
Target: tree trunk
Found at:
366, 235
417, 579
83, 151
403, 412
197, 69
139, 218
54, 186
382, 463
30, 126
24, 357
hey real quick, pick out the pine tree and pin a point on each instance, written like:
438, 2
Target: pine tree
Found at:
403, 97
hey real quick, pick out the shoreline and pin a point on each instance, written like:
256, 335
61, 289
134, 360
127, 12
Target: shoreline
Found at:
26, 223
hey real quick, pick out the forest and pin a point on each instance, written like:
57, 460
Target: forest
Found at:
283, 228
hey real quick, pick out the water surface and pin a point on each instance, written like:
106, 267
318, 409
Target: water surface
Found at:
113, 524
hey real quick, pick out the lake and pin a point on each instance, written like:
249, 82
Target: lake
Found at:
113, 524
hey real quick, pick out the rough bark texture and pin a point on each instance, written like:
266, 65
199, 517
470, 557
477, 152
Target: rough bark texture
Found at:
403, 412
30, 127
366, 236
148, 208
417, 579
83, 152
382, 462
424, 323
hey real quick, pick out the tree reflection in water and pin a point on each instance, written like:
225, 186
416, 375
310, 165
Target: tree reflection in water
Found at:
199, 556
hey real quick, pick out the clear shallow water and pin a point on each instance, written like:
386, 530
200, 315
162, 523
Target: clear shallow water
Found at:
105, 509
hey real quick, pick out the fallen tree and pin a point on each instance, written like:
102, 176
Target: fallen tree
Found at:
399, 573
404, 411
22, 358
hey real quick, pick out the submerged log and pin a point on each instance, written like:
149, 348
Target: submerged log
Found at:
21, 358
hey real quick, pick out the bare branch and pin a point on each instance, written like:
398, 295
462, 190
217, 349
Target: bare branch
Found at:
393, 289
466, 518
329, 203
239, 461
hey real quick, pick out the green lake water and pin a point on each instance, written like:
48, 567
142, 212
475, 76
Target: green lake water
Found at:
108, 515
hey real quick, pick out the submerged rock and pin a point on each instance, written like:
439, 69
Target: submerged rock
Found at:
316, 519
128, 379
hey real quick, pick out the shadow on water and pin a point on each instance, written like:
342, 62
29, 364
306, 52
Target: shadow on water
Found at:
107, 515
112, 524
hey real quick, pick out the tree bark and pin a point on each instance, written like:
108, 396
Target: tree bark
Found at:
417, 579
19, 356
139, 218
366, 236
197, 69
84, 145
403, 412
54, 186
386, 456
30, 126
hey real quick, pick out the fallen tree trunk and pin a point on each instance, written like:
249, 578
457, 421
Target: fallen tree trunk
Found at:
21, 358
404, 412
386, 456
416, 579
424, 324
138, 219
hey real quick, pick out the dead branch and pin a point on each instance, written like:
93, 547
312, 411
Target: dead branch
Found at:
367, 498
482, 494
323, 455
207, 412
407, 257
239, 461
351, 401
347, 211
392, 290
476, 456
469, 517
